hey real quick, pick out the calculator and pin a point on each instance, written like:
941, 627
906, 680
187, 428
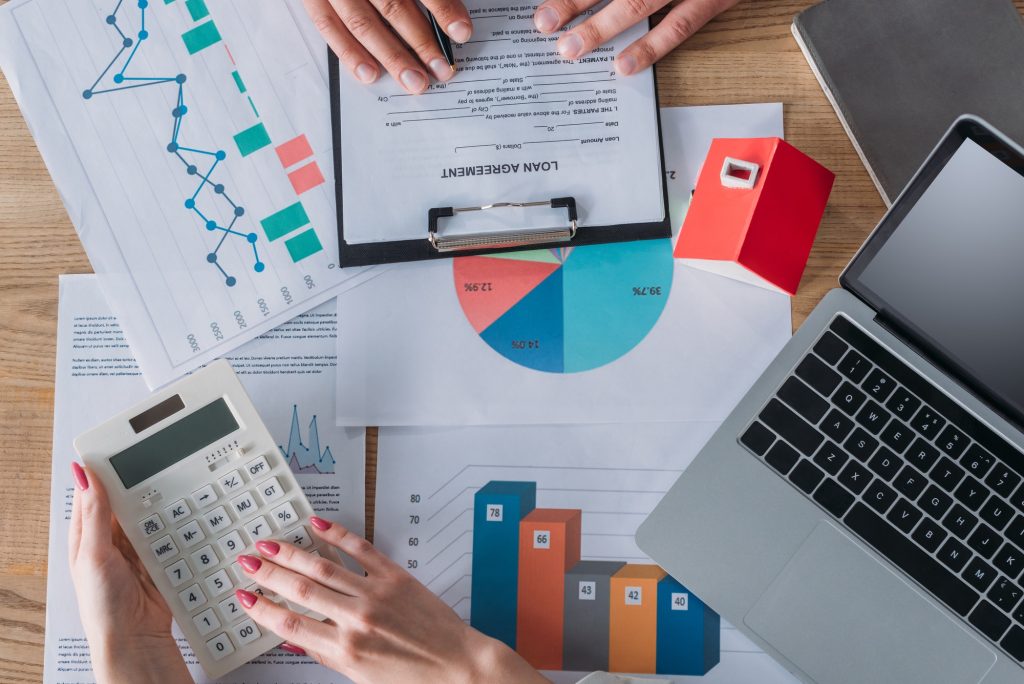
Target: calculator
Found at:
195, 479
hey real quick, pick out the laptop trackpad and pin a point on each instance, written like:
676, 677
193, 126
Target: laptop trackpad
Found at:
842, 616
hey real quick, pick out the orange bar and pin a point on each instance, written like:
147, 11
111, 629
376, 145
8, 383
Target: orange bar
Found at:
549, 544
633, 628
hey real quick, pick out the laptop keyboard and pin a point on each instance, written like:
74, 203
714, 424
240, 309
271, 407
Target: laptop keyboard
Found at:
908, 470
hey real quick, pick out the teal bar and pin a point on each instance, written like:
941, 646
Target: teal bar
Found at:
252, 139
201, 37
285, 221
303, 245
197, 8
238, 81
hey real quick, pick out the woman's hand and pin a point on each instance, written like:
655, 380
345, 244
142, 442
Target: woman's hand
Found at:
360, 33
685, 19
383, 627
126, 621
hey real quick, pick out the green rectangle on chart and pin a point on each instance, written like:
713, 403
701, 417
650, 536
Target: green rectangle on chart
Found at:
285, 221
303, 245
201, 37
252, 139
197, 8
238, 81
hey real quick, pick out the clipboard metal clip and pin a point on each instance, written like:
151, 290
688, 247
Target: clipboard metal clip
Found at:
502, 239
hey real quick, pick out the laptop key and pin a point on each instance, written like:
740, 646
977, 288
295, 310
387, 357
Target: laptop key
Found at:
818, 375
977, 461
954, 554
885, 464
989, 620
947, 474
861, 444
848, 398
928, 422
923, 455
1009, 560
791, 427
971, 493
831, 457
897, 436
1015, 532
1003, 480
1005, 594
880, 496
806, 476
900, 551
782, 457
959, 521
903, 404
984, 540
854, 366
996, 513
953, 441
879, 385
934, 502
803, 400
833, 498
873, 417
855, 477
1013, 642
979, 574
758, 438
929, 535
1017, 498
830, 348
910, 483
903, 515
836, 425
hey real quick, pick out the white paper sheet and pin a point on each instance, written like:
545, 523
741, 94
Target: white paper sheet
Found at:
140, 138
615, 474
288, 374
517, 123
413, 355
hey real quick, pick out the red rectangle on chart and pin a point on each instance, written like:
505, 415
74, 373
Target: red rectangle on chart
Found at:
306, 178
294, 151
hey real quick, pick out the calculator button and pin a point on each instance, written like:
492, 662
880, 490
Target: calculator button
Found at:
205, 496
220, 646
151, 525
178, 511
246, 632
178, 573
271, 490
218, 583
205, 558
230, 608
164, 548
231, 544
261, 591
191, 534
257, 467
245, 504
229, 482
299, 537
258, 528
206, 622
193, 597
218, 519
284, 516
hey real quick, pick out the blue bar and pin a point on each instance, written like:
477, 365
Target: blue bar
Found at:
689, 633
497, 509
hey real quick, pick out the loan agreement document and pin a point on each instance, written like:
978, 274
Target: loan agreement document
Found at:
517, 123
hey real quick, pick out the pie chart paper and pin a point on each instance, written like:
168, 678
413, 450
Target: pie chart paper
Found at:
569, 309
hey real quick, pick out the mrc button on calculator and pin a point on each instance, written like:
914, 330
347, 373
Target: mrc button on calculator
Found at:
195, 479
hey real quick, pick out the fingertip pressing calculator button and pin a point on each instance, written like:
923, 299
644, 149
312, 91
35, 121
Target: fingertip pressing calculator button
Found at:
246, 632
258, 528
204, 496
266, 593
164, 548
299, 537
192, 598
284, 516
179, 510
244, 504
206, 622
257, 467
230, 608
220, 646
205, 557
151, 525
218, 583
218, 519
270, 490
178, 573
231, 543
229, 482
191, 534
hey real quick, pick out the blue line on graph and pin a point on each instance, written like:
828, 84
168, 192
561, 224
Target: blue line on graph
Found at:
122, 82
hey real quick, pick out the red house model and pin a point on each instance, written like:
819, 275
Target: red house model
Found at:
755, 212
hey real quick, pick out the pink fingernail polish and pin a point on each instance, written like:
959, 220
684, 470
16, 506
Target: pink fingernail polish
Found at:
320, 523
291, 648
246, 598
81, 479
250, 563
268, 548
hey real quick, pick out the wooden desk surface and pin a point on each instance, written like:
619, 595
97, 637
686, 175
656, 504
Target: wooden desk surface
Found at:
746, 55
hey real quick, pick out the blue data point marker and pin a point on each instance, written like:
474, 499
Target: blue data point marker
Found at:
251, 237
192, 170
118, 78
86, 94
239, 211
111, 20
127, 42
218, 188
172, 147
143, 35
259, 267
180, 79
190, 204
230, 282
211, 225
179, 112
211, 258
143, 4
221, 155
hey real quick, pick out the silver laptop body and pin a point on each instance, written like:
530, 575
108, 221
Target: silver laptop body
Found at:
770, 529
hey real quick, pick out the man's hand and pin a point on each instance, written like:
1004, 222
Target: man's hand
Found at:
369, 34
685, 19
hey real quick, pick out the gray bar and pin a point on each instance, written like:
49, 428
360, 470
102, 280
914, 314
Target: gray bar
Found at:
587, 605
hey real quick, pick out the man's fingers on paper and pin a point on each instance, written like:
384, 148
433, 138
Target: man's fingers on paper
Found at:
678, 25
354, 56
311, 635
452, 17
365, 24
351, 544
554, 14
408, 20
326, 572
615, 18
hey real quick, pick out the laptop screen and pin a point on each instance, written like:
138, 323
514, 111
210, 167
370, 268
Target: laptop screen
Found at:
949, 268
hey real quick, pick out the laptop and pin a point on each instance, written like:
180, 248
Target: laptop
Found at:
860, 514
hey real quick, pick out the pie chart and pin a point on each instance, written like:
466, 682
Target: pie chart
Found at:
568, 309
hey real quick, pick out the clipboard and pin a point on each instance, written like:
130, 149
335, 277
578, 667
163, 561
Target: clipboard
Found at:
435, 245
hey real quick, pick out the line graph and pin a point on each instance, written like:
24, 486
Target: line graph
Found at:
306, 459
195, 166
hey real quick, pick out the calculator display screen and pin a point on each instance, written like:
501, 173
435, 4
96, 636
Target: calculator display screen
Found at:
174, 443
